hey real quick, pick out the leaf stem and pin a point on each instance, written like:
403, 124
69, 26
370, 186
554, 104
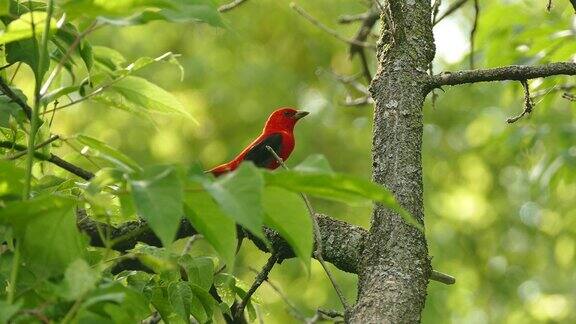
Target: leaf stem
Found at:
14, 274
34, 122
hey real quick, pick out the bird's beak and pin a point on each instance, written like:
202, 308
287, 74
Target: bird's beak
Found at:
300, 114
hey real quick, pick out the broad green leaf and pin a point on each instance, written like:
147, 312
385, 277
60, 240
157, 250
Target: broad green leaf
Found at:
314, 163
338, 187
286, 212
46, 228
159, 260
225, 287
11, 180
202, 298
4, 7
209, 220
121, 303
104, 151
8, 310
157, 193
21, 28
149, 96
57, 93
116, 8
108, 57
104, 177
79, 279
9, 109
239, 194
200, 270
180, 296
178, 11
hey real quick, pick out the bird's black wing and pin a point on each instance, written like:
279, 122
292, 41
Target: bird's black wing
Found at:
259, 155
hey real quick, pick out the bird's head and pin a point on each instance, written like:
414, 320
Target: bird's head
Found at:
284, 119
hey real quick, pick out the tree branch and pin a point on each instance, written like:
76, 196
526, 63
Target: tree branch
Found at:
512, 72
260, 278
54, 159
231, 5
455, 6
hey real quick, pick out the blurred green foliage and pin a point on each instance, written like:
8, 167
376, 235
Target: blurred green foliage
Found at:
500, 199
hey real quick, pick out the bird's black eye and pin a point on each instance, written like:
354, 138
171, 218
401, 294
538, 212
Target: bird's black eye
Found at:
288, 113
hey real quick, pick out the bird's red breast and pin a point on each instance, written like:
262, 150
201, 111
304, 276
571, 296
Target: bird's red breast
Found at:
278, 133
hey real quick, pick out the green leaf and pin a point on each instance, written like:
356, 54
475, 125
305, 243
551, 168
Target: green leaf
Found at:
157, 259
79, 279
104, 151
180, 296
178, 11
149, 96
46, 228
108, 57
116, 8
338, 187
21, 28
8, 310
8, 109
314, 163
206, 301
11, 180
286, 212
225, 287
157, 193
200, 270
207, 218
239, 194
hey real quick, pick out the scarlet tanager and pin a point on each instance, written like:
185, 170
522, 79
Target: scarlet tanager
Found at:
278, 133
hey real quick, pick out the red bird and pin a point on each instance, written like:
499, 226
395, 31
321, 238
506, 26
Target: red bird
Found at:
278, 133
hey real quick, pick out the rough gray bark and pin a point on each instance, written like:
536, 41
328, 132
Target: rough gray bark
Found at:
394, 268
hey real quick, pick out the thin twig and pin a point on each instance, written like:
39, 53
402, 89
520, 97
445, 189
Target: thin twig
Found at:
231, 5
435, 9
473, 32
102, 88
66, 56
15, 72
455, 6
569, 96
40, 145
293, 310
549, 6
191, 241
442, 277
317, 235
328, 30
363, 32
6, 66
348, 19
260, 278
528, 104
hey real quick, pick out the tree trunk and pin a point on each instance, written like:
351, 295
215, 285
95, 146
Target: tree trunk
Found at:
394, 269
